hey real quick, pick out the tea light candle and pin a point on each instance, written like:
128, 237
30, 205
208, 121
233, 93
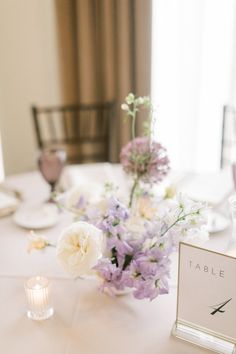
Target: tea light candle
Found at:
37, 293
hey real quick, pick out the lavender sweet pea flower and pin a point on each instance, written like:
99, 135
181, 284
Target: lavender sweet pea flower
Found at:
122, 247
146, 289
112, 222
117, 209
111, 226
147, 266
113, 277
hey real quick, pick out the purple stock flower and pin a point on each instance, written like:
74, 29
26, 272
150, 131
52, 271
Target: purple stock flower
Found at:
146, 159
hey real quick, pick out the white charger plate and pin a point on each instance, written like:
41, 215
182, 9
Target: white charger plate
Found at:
36, 216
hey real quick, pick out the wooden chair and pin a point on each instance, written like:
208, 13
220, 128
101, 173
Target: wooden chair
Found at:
228, 140
83, 130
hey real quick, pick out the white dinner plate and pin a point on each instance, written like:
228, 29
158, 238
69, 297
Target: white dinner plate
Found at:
36, 216
217, 222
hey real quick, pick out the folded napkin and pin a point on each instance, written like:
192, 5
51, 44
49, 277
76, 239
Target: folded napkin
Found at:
210, 187
99, 173
8, 203
213, 188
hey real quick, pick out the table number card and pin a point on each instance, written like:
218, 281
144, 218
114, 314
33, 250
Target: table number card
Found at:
206, 304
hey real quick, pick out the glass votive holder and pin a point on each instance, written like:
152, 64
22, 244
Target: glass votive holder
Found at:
38, 297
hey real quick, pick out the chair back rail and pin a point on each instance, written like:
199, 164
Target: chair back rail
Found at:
83, 130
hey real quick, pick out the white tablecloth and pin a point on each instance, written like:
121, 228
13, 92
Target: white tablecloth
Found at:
85, 321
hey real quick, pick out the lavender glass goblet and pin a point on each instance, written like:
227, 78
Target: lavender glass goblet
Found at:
51, 163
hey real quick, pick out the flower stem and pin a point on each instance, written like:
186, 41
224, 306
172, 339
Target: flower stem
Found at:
180, 218
133, 113
132, 191
51, 245
133, 125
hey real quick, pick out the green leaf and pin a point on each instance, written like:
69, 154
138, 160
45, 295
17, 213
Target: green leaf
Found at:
127, 261
114, 256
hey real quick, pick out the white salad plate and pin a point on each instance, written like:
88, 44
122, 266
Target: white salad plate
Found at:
36, 216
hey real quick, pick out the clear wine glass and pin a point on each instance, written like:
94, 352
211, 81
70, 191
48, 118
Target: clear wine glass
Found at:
51, 163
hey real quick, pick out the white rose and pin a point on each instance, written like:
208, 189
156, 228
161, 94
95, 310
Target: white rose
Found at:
79, 248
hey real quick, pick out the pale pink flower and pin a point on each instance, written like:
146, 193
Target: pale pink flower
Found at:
146, 159
36, 242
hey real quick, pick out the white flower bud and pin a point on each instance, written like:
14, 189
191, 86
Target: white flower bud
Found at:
125, 107
139, 101
130, 98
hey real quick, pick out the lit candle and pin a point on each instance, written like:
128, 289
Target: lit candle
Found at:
37, 293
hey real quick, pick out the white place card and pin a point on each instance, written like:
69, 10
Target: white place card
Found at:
206, 304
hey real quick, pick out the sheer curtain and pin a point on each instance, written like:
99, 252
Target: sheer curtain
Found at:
193, 76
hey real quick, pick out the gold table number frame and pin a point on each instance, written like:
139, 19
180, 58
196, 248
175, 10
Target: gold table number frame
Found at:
206, 300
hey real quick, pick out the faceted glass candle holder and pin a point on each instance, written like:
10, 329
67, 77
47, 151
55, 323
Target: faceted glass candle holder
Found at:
38, 297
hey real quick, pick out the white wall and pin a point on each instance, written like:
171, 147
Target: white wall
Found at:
2, 172
28, 74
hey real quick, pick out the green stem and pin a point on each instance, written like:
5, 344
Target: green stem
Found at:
177, 220
134, 112
51, 245
132, 191
133, 125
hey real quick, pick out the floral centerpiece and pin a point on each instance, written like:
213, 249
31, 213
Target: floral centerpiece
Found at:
127, 243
